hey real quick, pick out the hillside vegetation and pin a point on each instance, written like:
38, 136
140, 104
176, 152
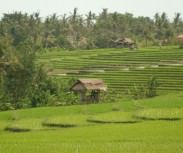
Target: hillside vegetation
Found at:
120, 68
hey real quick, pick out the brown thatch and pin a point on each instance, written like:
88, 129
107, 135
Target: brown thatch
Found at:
89, 84
180, 37
124, 41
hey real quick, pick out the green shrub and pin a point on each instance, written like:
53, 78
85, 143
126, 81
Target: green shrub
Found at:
6, 106
152, 87
139, 91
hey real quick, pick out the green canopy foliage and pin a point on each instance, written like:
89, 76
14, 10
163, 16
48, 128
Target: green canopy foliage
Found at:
89, 31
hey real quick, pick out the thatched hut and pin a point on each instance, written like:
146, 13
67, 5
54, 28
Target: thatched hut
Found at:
91, 86
125, 43
180, 39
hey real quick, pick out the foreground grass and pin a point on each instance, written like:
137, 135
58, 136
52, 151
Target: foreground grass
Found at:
117, 135
149, 137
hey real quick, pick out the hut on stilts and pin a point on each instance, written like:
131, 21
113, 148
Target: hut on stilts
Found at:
180, 39
89, 89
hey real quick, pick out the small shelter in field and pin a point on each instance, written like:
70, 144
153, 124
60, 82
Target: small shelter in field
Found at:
93, 87
125, 43
180, 39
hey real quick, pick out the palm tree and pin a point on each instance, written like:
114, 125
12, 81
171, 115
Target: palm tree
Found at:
177, 19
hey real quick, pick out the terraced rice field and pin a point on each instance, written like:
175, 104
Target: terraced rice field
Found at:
152, 125
120, 68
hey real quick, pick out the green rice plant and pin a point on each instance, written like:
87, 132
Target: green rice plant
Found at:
3, 124
24, 125
154, 136
113, 117
115, 107
66, 121
160, 114
171, 100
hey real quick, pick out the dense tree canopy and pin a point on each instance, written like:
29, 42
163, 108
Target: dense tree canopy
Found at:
88, 31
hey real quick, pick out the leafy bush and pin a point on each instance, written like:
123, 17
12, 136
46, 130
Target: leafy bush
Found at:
42, 88
66, 96
6, 106
151, 87
5, 103
144, 91
137, 91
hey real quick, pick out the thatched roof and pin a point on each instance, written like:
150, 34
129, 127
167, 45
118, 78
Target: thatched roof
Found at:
124, 40
89, 84
128, 40
180, 37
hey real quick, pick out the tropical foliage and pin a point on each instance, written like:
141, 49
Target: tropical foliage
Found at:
88, 31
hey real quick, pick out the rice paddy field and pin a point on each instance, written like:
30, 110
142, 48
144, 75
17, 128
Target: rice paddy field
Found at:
151, 125
119, 68
143, 126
